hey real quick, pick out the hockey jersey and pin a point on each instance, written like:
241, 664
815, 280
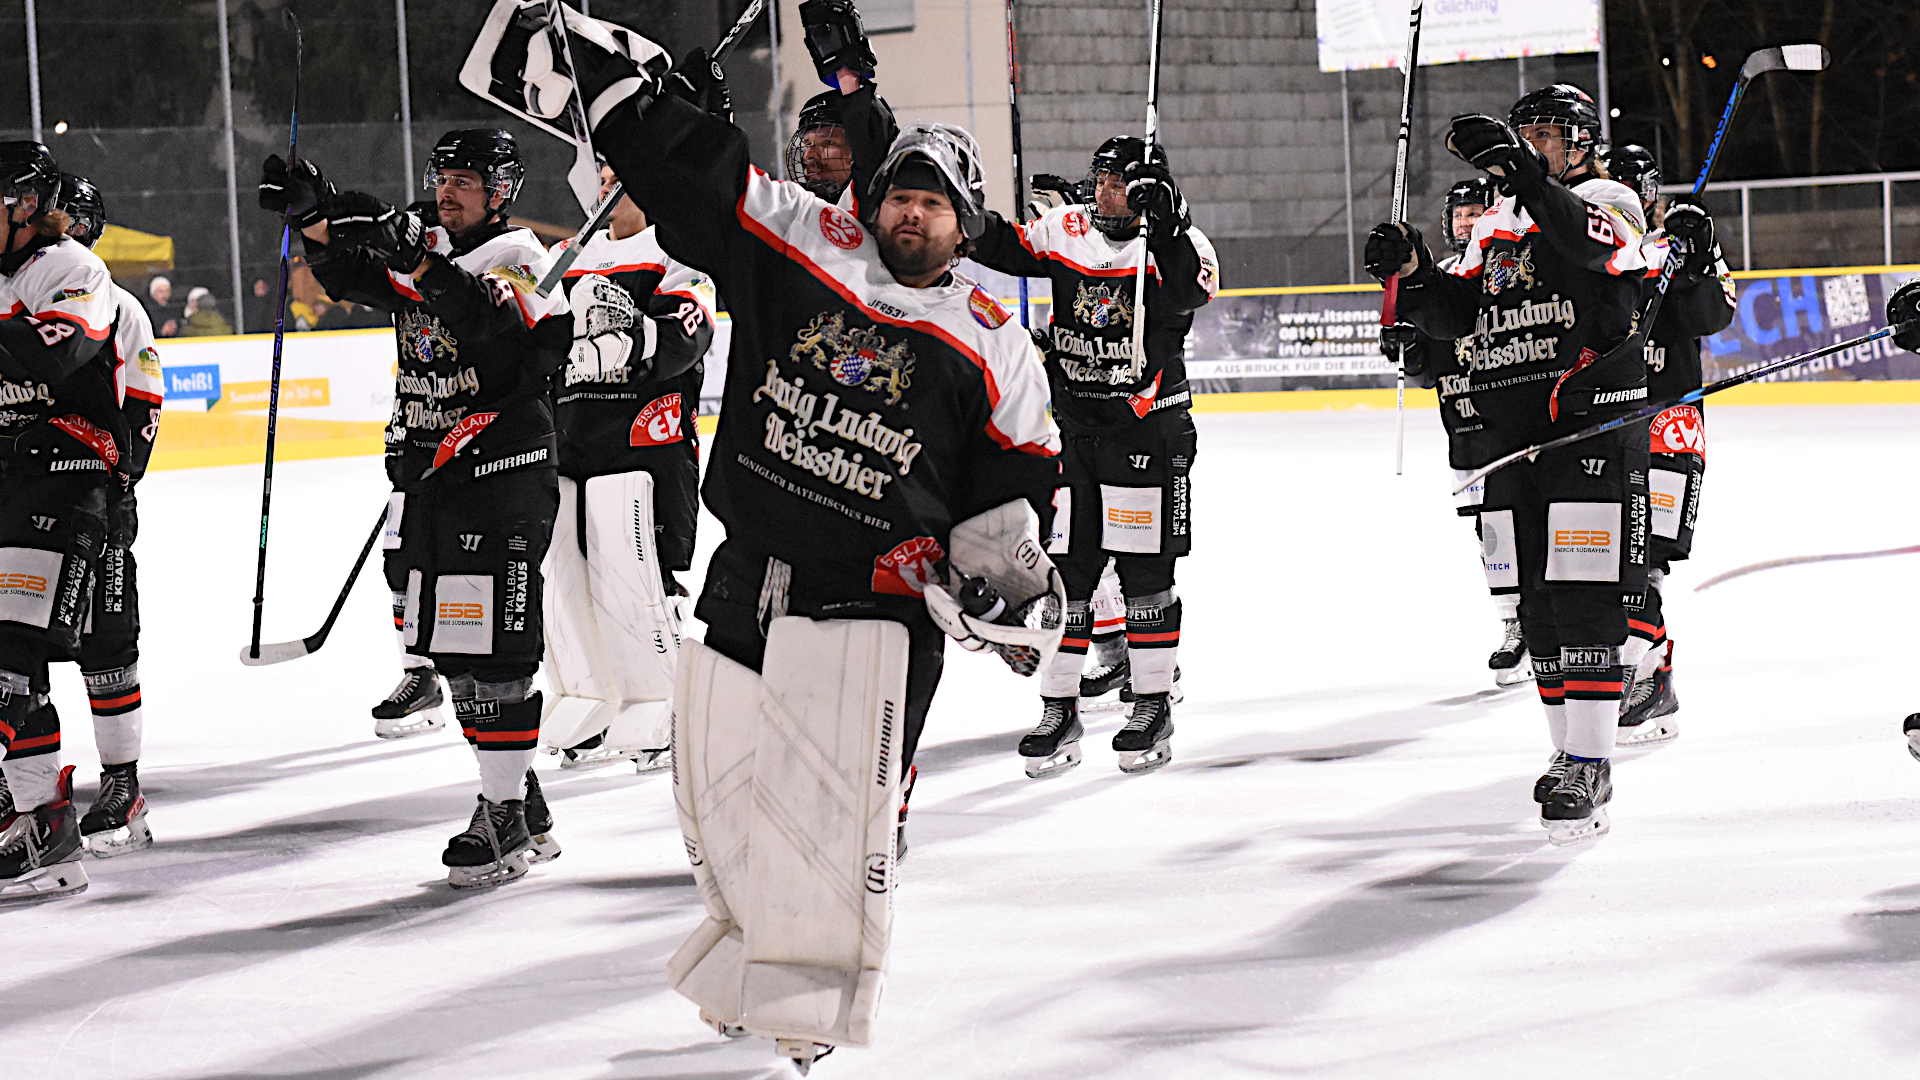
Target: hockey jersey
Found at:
477, 344
140, 384
56, 362
609, 423
1696, 305
861, 418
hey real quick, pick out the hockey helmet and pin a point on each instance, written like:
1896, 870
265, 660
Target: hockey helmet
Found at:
1565, 105
821, 118
27, 168
954, 155
82, 202
491, 152
1113, 157
1634, 166
1478, 191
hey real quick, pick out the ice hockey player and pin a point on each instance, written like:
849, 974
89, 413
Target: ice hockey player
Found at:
1128, 439
818, 155
1700, 301
470, 451
1438, 365
116, 822
1547, 291
883, 459
625, 406
61, 439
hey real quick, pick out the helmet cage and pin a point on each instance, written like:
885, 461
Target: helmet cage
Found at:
1113, 157
82, 202
1477, 191
798, 171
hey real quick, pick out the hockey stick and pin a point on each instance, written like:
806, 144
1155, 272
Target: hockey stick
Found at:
601, 213
1760, 61
1013, 115
1390, 304
279, 652
279, 339
1157, 9
1796, 560
1688, 398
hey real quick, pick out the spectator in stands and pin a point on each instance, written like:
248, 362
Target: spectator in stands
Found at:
203, 318
160, 309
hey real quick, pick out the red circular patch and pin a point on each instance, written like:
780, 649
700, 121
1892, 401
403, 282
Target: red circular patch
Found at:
1075, 223
839, 228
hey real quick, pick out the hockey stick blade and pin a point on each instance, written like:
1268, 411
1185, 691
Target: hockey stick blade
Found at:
1797, 560
280, 652
1786, 58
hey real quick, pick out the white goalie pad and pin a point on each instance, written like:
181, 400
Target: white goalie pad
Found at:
788, 786
578, 704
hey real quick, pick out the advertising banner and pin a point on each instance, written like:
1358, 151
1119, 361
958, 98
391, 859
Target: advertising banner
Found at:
1358, 34
1780, 315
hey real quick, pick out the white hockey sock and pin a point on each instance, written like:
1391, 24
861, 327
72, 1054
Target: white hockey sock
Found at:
1556, 723
503, 773
1635, 653
1151, 669
118, 737
1062, 677
114, 697
33, 781
1590, 727
410, 661
1507, 605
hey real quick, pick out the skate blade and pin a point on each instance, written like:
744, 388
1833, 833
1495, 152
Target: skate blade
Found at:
1913, 745
1103, 703
1134, 762
652, 761
731, 1031
803, 1053
1653, 732
1581, 831
598, 757
511, 868
402, 727
1513, 676
46, 883
132, 836
1059, 761
545, 848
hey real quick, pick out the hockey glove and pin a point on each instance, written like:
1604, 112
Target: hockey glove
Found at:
699, 81
1690, 230
606, 324
1004, 593
836, 39
300, 193
1903, 310
1395, 249
1400, 343
397, 238
1489, 144
1049, 191
1151, 190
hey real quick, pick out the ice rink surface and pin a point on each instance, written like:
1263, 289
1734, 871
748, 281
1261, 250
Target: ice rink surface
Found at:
1341, 875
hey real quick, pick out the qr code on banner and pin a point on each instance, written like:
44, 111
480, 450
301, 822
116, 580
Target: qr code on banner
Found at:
1847, 300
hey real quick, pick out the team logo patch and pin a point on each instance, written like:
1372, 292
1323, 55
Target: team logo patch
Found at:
907, 570
71, 294
1074, 222
423, 340
1509, 269
462, 434
519, 276
1679, 430
1100, 305
658, 424
986, 310
149, 362
859, 357
839, 228
97, 440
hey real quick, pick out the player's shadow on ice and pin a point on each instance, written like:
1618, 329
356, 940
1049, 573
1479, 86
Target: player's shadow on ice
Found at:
177, 785
1888, 933
342, 1072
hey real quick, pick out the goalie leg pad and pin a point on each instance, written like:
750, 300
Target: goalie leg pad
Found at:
579, 706
629, 602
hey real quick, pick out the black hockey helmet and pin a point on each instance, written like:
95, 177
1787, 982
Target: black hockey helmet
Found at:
1634, 166
491, 152
1563, 104
82, 202
1478, 191
1114, 156
26, 168
821, 113
954, 156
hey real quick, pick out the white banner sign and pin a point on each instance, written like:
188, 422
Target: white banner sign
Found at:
1357, 34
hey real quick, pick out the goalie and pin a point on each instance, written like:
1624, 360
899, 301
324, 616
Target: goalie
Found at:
882, 467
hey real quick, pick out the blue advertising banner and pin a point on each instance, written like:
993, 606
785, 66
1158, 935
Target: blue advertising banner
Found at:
197, 382
1787, 313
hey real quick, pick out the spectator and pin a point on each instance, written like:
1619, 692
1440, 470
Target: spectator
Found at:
346, 315
203, 318
260, 313
160, 309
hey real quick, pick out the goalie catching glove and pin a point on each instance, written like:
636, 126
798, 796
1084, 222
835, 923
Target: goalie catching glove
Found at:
1003, 593
609, 333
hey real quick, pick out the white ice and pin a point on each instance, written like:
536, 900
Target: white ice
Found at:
1341, 875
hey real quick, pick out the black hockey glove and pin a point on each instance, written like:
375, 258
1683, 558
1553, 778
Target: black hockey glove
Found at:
836, 39
1690, 230
300, 192
1903, 309
397, 238
1489, 144
1395, 249
1042, 338
699, 81
1049, 191
1400, 343
1151, 191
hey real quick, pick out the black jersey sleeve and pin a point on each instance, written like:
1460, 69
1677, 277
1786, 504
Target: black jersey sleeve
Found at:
480, 308
684, 333
1590, 235
1177, 262
44, 350
1001, 248
689, 170
1441, 305
1697, 308
353, 275
871, 130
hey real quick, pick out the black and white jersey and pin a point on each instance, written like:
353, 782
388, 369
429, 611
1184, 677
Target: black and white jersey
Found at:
611, 422
56, 358
137, 372
1695, 307
1442, 366
860, 418
477, 344
1098, 384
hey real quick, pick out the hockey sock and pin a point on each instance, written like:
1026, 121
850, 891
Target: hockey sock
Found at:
503, 773
1553, 697
1153, 641
1507, 605
1594, 678
1062, 677
114, 696
34, 781
502, 721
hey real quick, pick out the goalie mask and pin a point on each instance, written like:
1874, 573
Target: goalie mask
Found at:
490, 152
1113, 157
81, 200
954, 155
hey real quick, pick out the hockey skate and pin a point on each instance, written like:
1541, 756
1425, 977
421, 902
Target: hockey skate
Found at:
40, 857
540, 823
801, 1052
1054, 746
494, 850
6, 796
1576, 809
413, 708
1556, 768
1912, 730
1102, 688
1145, 740
1647, 715
1175, 696
1509, 662
116, 823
